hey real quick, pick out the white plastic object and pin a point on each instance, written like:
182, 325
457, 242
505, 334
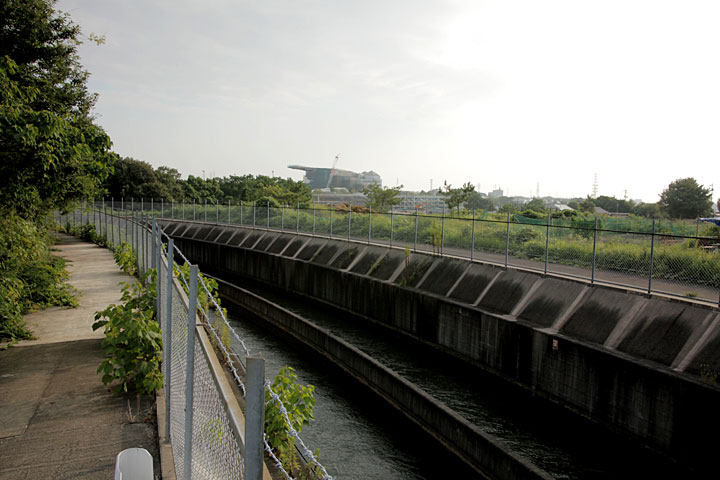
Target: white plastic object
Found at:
134, 464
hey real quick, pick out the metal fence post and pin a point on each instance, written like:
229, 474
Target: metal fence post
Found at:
313, 231
167, 343
228, 212
142, 205
547, 243
349, 220
254, 211
268, 214
132, 204
190, 372
282, 217
146, 247
416, 230
332, 209
157, 260
107, 232
507, 241
442, 232
112, 222
183, 209
194, 209
595, 232
154, 247
205, 211
652, 254
254, 426
152, 205
297, 219
392, 217
241, 212
369, 224
472, 241
217, 211
133, 239
162, 207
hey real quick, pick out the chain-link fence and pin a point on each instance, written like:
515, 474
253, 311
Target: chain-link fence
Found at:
204, 419
672, 258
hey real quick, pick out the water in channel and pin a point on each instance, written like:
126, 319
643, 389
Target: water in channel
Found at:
359, 436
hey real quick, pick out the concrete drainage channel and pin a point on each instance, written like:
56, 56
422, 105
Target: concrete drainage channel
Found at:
643, 367
490, 457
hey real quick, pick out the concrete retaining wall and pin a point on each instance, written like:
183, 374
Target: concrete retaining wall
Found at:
474, 446
630, 362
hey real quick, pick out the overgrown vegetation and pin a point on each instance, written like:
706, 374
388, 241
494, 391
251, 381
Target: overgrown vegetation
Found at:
53, 154
299, 401
206, 305
30, 276
125, 258
133, 342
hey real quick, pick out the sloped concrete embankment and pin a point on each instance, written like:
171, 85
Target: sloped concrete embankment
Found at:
477, 448
639, 365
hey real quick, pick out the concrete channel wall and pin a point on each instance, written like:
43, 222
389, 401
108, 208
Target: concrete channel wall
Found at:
637, 364
474, 446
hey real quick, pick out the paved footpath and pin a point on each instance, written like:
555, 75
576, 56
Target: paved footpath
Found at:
57, 419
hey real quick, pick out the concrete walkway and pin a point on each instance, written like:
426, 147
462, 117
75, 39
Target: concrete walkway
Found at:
57, 419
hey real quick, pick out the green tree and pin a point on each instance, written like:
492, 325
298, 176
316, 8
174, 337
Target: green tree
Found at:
454, 197
536, 205
587, 205
381, 199
684, 198
52, 152
198, 189
509, 207
649, 210
612, 204
136, 179
477, 202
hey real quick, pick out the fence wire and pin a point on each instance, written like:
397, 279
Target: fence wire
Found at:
662, 256
215, 450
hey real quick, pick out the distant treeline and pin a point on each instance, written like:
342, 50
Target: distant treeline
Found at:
137, 179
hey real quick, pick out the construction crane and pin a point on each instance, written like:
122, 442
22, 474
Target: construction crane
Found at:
332, 170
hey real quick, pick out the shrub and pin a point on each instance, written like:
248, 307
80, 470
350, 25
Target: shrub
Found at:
125, 258
30, 277
133, 342
299, 402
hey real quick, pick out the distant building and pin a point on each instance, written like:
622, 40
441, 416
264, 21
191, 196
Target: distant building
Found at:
318, 178
497, 193
425, 203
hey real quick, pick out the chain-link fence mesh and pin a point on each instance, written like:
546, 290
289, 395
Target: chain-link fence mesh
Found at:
680, 258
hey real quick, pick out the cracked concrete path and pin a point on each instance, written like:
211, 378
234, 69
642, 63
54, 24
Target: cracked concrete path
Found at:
57, 419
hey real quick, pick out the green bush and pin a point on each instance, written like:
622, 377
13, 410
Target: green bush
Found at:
133, 341
125, 258
30, 277
299, 402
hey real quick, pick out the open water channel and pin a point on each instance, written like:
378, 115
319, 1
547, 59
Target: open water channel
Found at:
359, 436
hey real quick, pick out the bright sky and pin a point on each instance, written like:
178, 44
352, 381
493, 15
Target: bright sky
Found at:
498, 93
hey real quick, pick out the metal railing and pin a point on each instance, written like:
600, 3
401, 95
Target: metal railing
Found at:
210, 436
647, 255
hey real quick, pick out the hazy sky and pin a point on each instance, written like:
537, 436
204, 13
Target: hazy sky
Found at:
499, 93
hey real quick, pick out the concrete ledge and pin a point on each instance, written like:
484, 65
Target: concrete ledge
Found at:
167, 461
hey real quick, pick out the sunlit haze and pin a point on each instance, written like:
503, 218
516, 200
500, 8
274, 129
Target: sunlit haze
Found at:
519, 95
